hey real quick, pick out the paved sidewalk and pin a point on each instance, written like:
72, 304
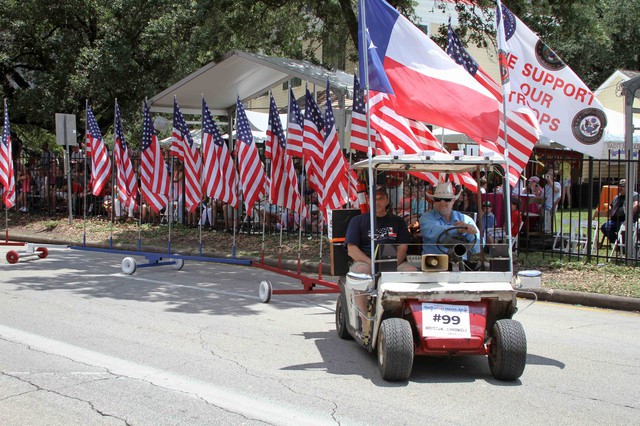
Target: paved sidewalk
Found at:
549, 295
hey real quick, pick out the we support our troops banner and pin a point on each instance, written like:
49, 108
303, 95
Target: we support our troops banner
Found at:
566, 109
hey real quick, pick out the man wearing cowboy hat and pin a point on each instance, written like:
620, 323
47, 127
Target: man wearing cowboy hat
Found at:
389, 229
442, 217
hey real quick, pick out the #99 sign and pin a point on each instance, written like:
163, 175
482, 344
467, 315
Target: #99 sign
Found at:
449, 321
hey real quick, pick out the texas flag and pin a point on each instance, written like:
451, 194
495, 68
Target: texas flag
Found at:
428, 85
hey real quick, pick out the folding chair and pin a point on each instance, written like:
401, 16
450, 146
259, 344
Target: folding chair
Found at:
561, 241
619, 244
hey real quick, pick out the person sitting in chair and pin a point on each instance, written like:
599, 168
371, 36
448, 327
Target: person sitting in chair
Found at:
617, 214
389, 229
434, 222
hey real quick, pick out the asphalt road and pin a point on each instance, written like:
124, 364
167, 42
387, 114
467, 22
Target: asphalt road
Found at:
82, 343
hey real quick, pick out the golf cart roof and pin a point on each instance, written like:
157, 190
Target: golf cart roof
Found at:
430, 162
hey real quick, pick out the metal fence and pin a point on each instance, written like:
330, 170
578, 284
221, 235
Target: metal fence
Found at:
45, 188
574, 222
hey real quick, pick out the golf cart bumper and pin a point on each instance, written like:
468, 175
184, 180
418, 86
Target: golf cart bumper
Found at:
464, 310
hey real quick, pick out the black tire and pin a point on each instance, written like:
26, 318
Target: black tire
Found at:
508, 350
341, 319
395, 349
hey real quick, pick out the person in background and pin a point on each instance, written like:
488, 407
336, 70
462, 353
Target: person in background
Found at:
565, 170
497, 235
442, 217
488, 218
549, 202
484, 184
617, 214
389, 229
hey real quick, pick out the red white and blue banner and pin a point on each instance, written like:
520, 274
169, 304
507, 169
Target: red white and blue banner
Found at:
567, 110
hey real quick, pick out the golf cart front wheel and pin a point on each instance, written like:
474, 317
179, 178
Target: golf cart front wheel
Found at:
508, 350
395, 349
265, 290
341, 318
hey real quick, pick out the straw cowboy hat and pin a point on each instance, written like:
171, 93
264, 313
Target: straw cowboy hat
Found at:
444, 190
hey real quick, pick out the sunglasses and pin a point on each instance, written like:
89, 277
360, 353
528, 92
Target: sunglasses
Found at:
436, 200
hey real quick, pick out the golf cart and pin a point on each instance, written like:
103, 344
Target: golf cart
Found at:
445, 308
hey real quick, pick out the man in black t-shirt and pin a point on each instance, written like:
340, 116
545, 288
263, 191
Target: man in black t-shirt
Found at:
390, 229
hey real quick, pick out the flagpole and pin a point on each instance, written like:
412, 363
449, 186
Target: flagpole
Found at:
235, 160
84, 183
504, 79
113, 186
201, 179
140, 193
369, 148
6, 210
315, 98
300, 188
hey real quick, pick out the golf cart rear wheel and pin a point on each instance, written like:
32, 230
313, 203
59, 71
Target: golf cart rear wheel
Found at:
341, 318
395, 349
12, 256
42, 252
265, 290
508, 350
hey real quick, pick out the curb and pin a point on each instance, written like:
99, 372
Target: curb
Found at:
595, 300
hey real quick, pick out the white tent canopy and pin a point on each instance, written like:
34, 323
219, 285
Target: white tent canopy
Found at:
243, 74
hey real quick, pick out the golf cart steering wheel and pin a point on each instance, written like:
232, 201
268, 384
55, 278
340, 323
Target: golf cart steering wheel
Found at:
444, 239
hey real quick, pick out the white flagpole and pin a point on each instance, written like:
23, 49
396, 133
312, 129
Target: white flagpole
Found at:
504, 79
369, 147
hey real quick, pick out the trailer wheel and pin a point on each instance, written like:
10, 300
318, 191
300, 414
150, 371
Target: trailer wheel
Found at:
42, 252
395, 349
264, 291
12, 256
129, 265
178, 265
341, 318
508, 350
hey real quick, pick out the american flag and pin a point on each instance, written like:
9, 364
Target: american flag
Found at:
126, 177
359, 121
295, 127
313, 142
182, 146
100, 161
397, 132
284, 180
252, 176
154, 176
522, 129
219, 173
177, 132
430, 142
335, 168
7, 177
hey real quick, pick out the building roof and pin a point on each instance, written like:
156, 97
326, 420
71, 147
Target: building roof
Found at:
243, 74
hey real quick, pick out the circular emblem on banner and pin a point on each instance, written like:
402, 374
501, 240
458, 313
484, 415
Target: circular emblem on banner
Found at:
509, 23
588, 125
548, 58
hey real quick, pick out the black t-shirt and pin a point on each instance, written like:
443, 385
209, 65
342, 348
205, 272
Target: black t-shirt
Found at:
390, 229
618, 213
